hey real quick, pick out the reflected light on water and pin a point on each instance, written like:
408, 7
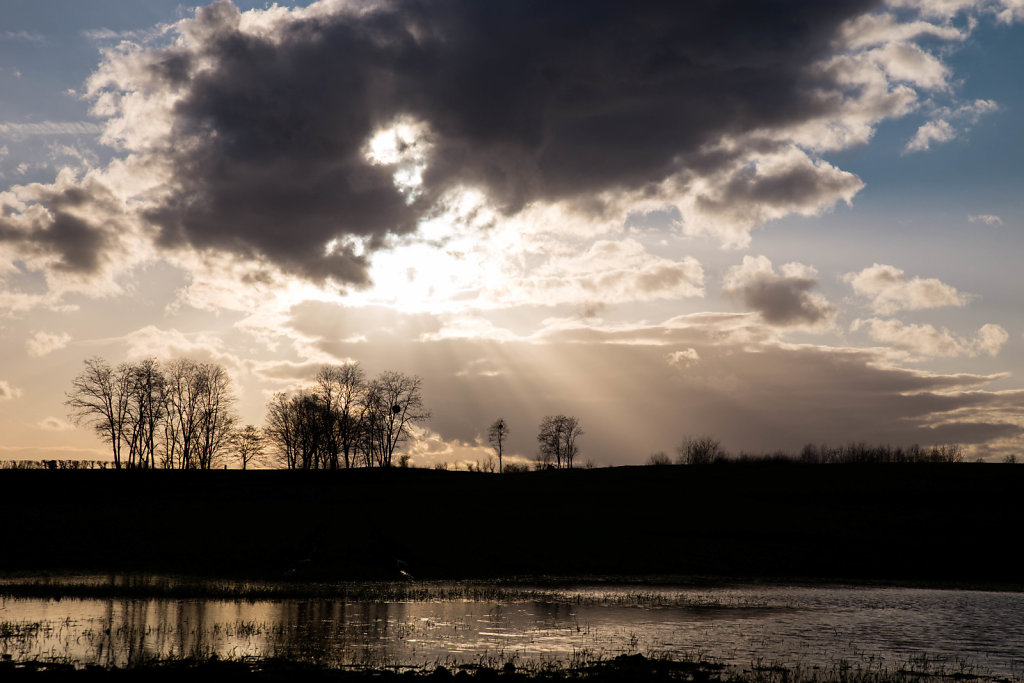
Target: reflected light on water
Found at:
791, 626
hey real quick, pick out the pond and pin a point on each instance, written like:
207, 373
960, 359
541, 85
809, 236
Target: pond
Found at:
423, 624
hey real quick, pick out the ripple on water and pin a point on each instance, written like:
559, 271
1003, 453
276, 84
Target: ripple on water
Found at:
739, 625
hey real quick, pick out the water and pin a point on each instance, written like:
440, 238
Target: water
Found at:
742, 626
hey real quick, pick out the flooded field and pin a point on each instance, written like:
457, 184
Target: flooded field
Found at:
417, 624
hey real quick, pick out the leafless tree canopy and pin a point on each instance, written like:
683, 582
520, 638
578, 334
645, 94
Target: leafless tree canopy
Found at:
659, 459
699, 450
99, 398
557, 441
345, 420
248, 444
179, 415
200, 419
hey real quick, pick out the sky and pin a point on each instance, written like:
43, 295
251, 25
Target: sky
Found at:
774, 223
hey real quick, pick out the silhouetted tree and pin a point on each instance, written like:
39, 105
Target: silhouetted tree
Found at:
184, 386
557, 440
100, 397
199, 404
341, 388
701, 450
281, 429
659, 458
147, 387
344, 420
185, 404
395, 402
248, 444
218, 418
496, 436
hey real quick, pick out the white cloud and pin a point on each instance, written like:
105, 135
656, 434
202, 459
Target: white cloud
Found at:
926, 340
883, 28
759, 188
684, 358
909, 63
429, 449
607, 272
933, 131
942, 9
42, 343
940, 129
1009, 11
54, 424
469, 327
109, 35
21, 129
890, 290
154, 342
7, 392
1005, 11
27, 36
986, 218
14, 303
743, 177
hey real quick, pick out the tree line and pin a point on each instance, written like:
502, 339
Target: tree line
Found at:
180, 415
176, 415
345, 419
707, 450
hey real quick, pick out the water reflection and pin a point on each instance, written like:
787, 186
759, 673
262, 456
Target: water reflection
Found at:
738, 626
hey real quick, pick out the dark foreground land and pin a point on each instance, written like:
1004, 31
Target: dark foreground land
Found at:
621, 669
950, 523
625, 668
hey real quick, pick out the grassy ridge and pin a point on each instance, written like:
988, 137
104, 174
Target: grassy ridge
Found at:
866, 522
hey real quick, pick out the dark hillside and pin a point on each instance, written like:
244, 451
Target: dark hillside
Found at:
955, 522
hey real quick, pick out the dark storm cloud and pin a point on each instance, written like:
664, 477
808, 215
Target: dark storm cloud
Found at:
75, 244
530, 99
78, 243
784, 301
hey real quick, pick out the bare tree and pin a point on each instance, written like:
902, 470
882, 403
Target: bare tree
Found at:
248, 443
184, 413
549, 443
281, 430
496, 436
299, 426
659, 459
188, 404
216, 401
344, 420
340, 388
396, 403
145, 411
571, 432
557, 441
700, 450
198, 401
99, 397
